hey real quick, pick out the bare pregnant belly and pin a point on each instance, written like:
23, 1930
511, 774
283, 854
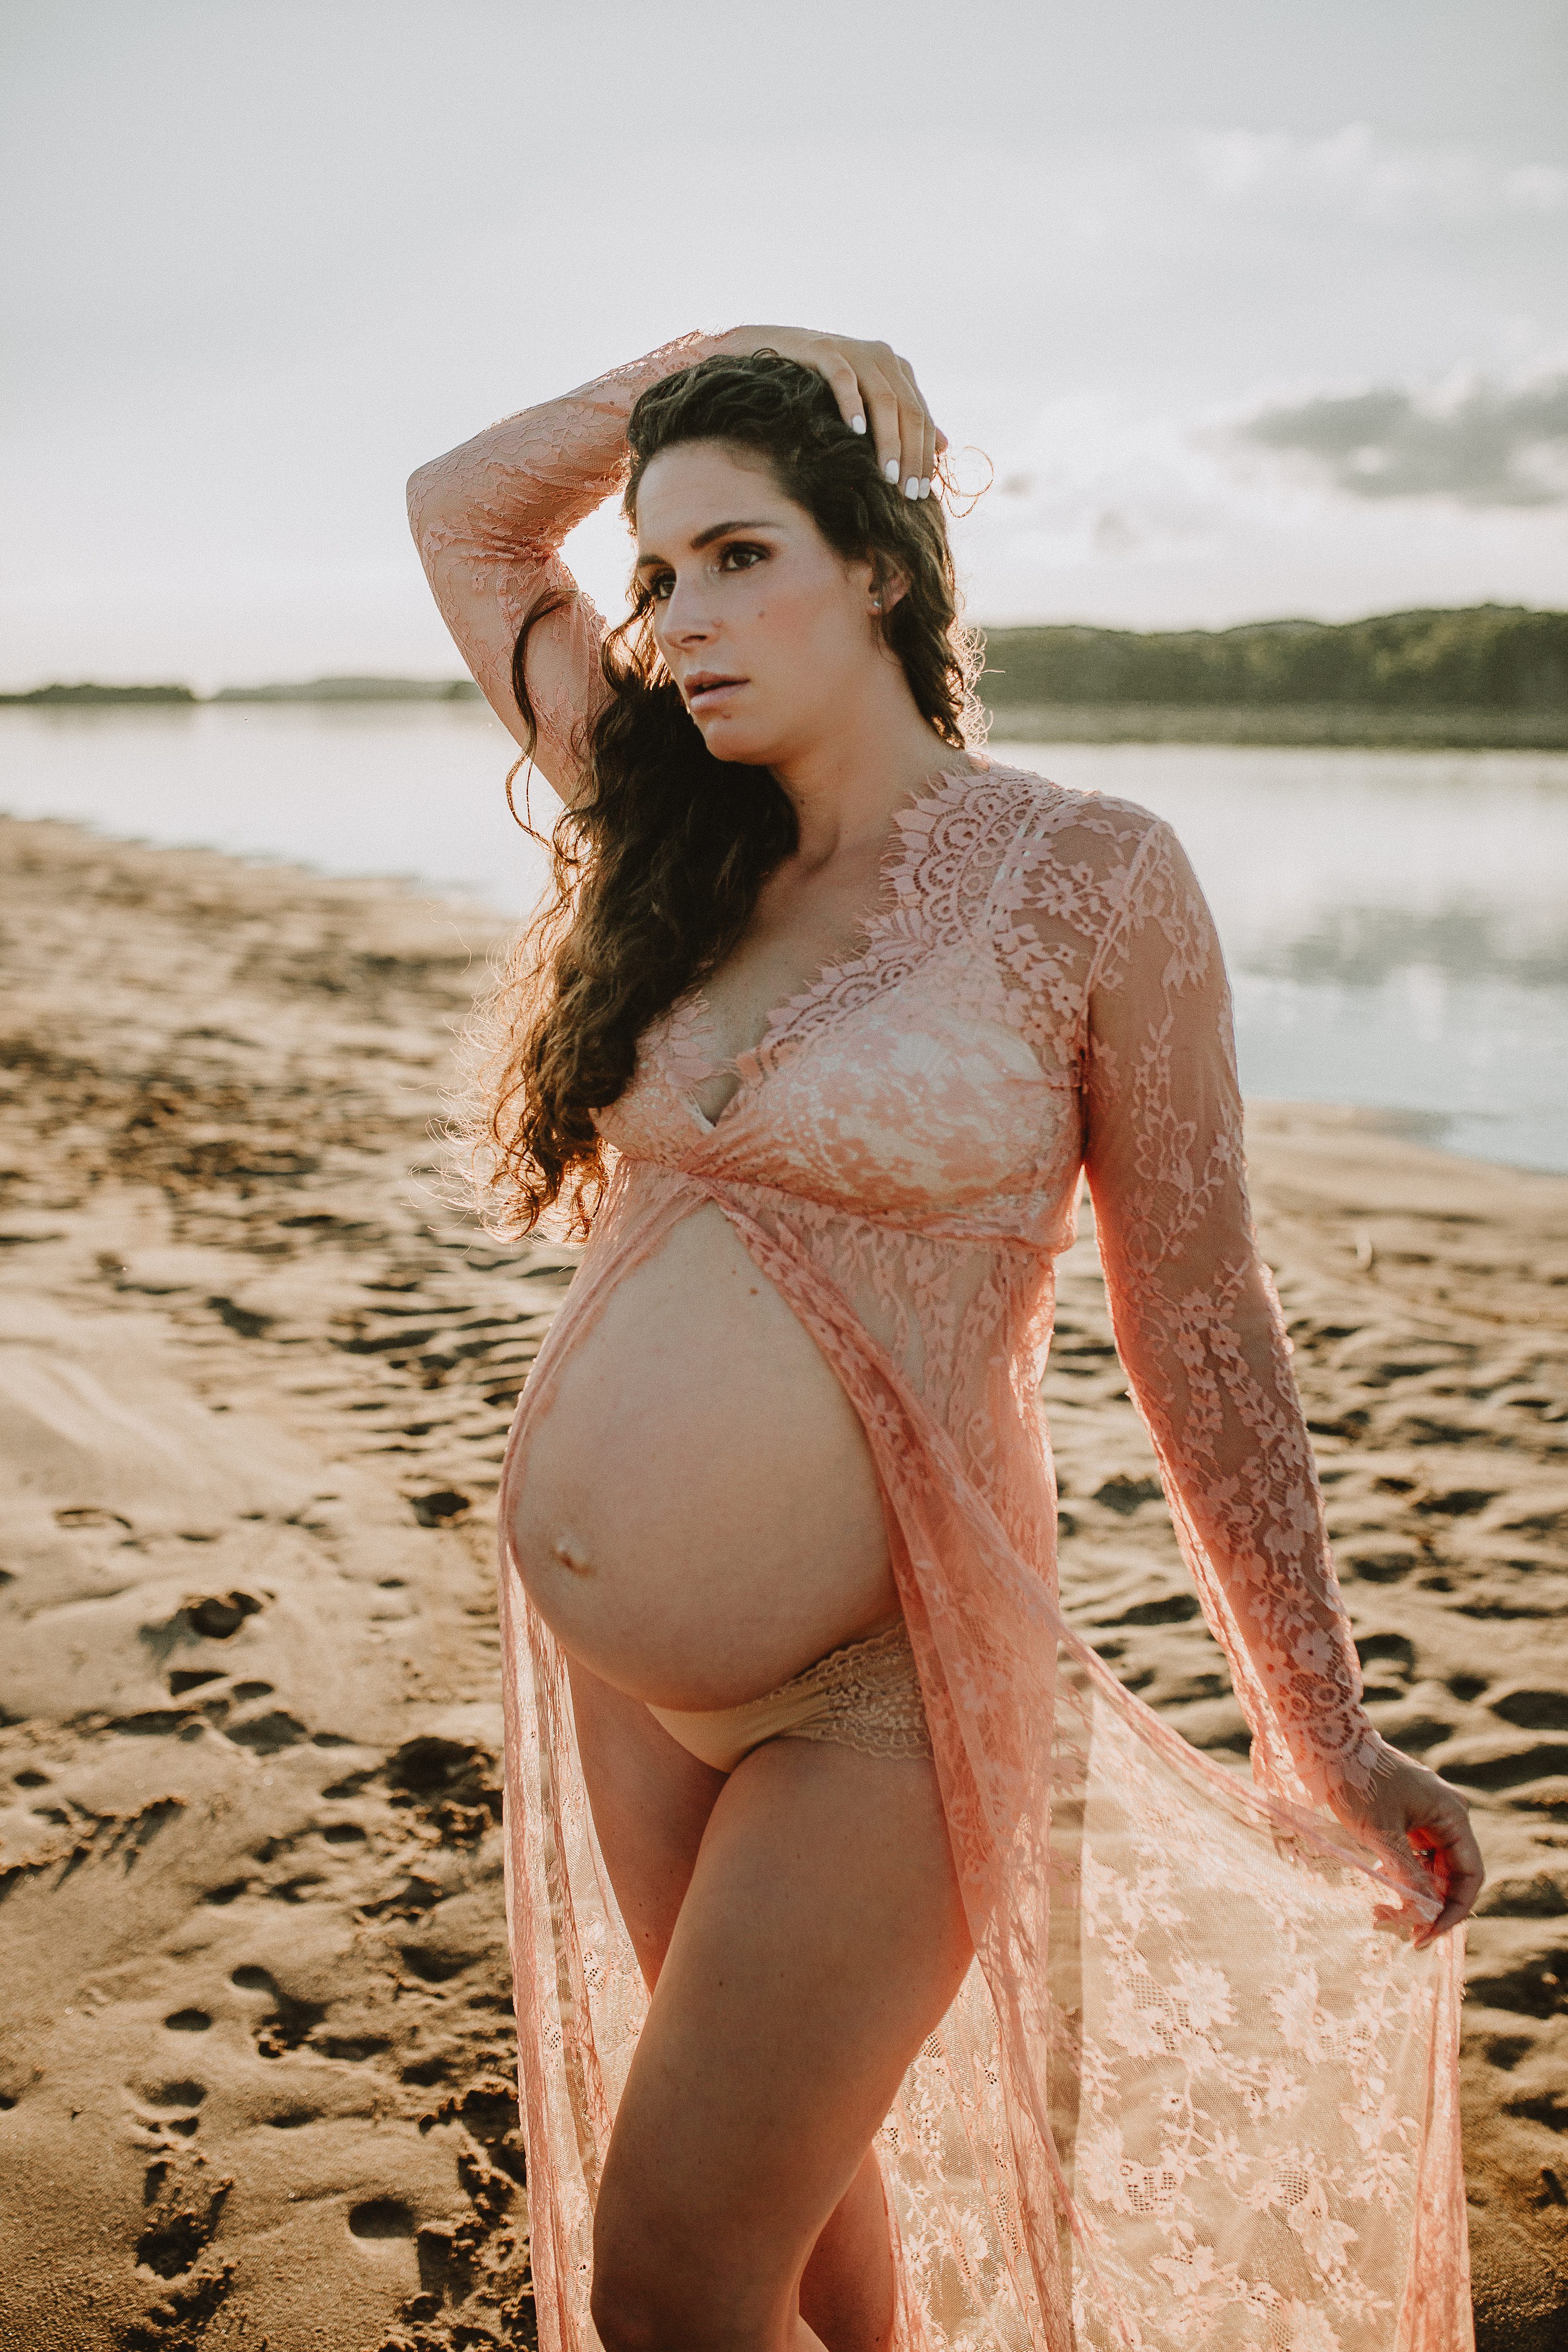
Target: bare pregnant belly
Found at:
699, 1517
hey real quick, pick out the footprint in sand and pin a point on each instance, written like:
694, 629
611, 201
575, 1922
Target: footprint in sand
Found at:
290, 2019
1384, 1654
1532, 1710
217, 1615
183, 2203
172, 2107
440, 1509
201, 1617
353, 2049
229, 1891
380, 2218
264, 1734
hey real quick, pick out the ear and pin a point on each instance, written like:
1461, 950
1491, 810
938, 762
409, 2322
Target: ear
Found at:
887, 586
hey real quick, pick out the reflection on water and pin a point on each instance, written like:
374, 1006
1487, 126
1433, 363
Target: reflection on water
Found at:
1362, 947
372, 788
1396, 923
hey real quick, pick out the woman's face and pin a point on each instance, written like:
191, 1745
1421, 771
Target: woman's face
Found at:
770, 635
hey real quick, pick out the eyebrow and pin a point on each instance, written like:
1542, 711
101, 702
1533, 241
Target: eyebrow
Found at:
715, 530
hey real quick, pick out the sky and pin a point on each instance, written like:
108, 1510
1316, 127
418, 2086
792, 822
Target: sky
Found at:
1247, 309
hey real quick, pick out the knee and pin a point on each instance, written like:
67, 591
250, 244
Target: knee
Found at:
654, 2301
623, 2321
644, 2316
623, 2327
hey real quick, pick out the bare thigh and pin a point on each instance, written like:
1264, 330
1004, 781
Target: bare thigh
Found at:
820, 1939
650, 1800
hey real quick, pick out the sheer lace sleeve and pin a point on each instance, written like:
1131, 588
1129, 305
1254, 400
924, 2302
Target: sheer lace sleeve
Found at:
1199, 1327
488, 518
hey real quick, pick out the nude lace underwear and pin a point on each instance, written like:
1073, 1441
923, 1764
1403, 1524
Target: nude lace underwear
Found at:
865, 1696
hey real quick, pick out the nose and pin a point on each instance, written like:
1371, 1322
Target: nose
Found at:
682, 620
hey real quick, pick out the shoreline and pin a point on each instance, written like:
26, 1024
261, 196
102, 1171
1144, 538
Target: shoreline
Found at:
1415, 1126
255, 2072
1257, 726
1285, 727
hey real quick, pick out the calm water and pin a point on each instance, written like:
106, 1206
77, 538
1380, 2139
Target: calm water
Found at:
1396, 922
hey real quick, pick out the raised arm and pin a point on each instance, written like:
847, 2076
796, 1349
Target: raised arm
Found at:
490, 517
1199, 1329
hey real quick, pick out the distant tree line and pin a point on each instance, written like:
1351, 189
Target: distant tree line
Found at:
314, 690
1493, 658
76, 697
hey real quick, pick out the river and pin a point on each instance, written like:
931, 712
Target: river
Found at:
1396, 922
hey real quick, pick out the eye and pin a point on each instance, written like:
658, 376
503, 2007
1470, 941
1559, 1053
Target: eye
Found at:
660, 587
740, 556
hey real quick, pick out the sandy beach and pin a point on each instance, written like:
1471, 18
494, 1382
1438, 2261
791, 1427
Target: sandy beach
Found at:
255, 2059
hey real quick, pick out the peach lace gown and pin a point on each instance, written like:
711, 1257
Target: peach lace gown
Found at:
1198, 2094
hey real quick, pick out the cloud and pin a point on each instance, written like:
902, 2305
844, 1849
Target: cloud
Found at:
1178, 516
1485, 446
1354, 171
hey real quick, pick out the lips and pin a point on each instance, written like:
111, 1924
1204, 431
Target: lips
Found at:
706, 689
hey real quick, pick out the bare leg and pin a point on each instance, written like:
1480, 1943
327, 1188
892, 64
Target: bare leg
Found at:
847, 2288
651, 1800
821, 1938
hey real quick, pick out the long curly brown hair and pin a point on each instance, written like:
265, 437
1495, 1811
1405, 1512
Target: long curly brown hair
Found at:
657, 868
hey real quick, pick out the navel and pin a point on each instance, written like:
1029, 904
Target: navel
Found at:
572, 1555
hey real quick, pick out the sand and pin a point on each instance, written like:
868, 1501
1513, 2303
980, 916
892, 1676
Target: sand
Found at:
256, 2052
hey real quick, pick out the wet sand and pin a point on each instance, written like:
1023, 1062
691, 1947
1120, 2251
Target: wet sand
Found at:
255, 2059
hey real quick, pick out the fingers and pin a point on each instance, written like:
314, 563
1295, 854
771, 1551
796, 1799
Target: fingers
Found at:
904, 433
912, 423
876, 391
927, 461
1424, 1823
917, 434
883, 412
1463, 1874
1455, 1859
846, 387
1460, 1895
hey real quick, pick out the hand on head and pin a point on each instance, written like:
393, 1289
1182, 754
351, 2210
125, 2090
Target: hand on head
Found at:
876, 391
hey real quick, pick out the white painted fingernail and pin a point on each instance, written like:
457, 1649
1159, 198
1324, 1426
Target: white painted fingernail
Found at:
891, 469
856, 424
912, 487
925, 486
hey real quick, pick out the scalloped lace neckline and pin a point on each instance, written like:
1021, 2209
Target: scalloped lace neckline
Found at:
896, 885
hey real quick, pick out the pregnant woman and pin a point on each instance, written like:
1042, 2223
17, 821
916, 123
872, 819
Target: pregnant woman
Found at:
886, 1973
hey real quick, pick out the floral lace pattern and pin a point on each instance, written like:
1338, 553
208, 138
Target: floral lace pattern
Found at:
865, 1695
1198, 2092
488, 518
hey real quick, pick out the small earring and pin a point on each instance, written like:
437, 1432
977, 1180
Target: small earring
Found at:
876, 604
